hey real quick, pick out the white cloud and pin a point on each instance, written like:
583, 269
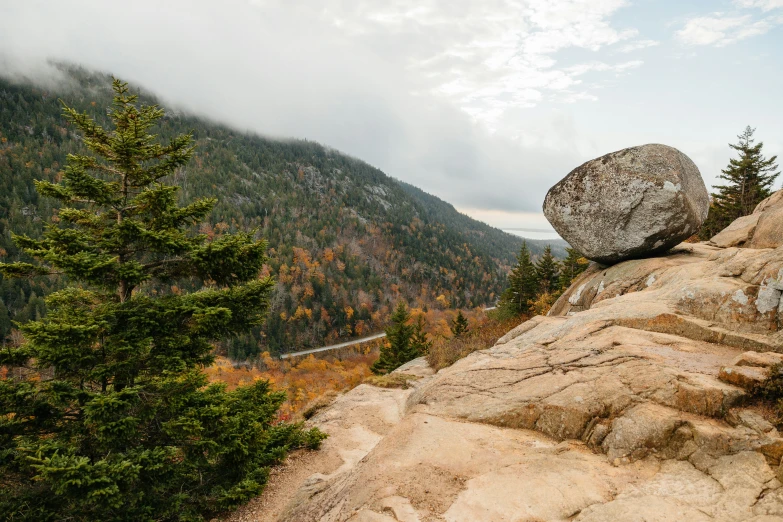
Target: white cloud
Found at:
499, 55
583, 68
486, 58
721, 29
766, 5
573, 97
709, 30
638, 44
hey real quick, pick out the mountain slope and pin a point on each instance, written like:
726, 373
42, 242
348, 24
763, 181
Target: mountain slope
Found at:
346, 240
480, 233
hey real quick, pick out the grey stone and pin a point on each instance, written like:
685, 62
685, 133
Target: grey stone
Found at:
629, 204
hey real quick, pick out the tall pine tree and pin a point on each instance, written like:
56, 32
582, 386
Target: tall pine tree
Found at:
750, 178
398, 348
127, 426
548, 272
570, 268
522, 284
420, 343
5, 323
460, 325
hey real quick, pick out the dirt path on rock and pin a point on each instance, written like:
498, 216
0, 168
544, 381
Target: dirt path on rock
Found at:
355, 422
284, 481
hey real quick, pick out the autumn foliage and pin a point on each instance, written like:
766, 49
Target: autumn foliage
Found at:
304, 379
483, 332
308, 379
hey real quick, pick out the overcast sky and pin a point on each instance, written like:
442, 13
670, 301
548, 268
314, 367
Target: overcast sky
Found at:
484, 103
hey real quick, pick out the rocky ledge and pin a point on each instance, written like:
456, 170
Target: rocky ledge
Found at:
630, 402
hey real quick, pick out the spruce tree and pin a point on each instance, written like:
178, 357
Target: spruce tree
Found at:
548, 272
522, 284
750, 178
573, 265
459, 326
5, 322
127, 426
420, 344
397, 350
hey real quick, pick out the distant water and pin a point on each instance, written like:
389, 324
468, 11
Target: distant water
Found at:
532, 233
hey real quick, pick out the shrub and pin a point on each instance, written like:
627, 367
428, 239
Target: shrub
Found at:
445, 352
391, 380
772, 387
768, 396
541, 304
320, 403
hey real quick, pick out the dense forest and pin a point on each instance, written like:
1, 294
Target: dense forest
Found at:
346, 241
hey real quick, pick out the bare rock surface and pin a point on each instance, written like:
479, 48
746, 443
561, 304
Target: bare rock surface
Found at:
622, 405
355, 422
720, 295
630, 203
739, 233
762, 229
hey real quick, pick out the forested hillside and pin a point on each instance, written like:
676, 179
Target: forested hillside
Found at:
481, 234
346, 241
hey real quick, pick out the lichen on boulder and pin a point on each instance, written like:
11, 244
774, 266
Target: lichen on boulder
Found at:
629, 204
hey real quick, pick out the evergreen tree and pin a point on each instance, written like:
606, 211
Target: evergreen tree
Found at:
419, 342
397, 349
749, 178
522, 284
5, 322
548, 272
128, 427
573, 265
459, 326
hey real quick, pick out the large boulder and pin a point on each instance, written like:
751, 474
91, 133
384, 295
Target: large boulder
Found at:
629, 204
